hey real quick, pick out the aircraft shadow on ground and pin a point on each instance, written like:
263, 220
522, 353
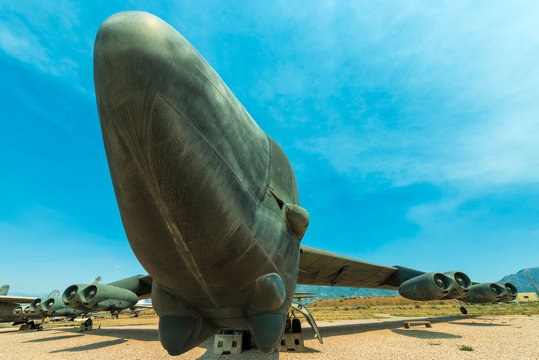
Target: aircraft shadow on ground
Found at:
127, 333
326, 331
93, 346
338, 330
52, 338
478, 324
425, 334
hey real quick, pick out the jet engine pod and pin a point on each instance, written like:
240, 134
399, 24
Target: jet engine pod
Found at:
99, 297
461, 285
18, 310
55, 306
485, 293
35, 306
70, 297
511, 292
430, 286
48, 304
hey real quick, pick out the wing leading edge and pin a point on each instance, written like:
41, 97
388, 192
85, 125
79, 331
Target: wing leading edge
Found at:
317, 267
16, 299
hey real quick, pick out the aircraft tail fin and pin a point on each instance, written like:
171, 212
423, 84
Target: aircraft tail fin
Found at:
3, 290
96, 280
54, 294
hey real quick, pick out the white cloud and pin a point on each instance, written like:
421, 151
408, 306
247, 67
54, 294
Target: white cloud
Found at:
461, 88
45, 37
22, 45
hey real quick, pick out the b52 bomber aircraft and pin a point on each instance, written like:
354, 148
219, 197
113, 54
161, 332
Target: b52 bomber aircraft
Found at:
12, 308
209, 202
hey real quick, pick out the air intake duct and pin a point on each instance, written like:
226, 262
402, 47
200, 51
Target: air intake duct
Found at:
35, 306
99, 297
485, 293
429, 286
461, 285
511, 292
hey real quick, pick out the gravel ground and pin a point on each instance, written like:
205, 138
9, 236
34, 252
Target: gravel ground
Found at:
500, 337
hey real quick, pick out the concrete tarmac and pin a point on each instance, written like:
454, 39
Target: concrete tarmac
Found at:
485, 337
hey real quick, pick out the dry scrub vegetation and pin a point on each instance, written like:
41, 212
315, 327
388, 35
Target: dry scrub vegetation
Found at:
365, 308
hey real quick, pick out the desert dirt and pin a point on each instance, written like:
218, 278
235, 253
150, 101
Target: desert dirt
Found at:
480, 337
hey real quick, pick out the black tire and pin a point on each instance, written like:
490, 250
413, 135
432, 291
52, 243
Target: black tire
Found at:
246, 340
288, 326
463, 310
296, 326
88, 323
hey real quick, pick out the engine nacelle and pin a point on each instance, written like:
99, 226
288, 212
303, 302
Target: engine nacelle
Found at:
511, 292
485, 293
461, 285
100, 297
35, 306
71, 296
18, 310
56, 307
51, 304
429, 286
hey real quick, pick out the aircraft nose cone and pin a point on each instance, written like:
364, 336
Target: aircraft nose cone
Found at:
130, 38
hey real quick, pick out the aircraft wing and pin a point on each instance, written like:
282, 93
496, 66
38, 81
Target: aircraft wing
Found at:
143, 306
317, 267
16, 299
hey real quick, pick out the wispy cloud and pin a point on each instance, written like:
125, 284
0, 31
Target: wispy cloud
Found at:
460, 95
47, 38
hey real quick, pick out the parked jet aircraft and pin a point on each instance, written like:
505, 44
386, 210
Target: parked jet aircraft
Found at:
209, 202
14, 308
114, 297
24, 310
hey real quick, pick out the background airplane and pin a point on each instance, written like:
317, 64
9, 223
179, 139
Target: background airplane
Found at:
113, 297
15, 309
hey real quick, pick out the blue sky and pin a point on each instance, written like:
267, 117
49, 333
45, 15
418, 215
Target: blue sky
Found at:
412, 128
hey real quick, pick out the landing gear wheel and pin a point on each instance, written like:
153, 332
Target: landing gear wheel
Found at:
246, 340
296, 326
88, 323
463, 310
288, 325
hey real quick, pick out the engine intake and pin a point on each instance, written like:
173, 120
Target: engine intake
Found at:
70, 296
100, 297
461, 285
429, 286
17, 310
35, 306
511, 292
485, 293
